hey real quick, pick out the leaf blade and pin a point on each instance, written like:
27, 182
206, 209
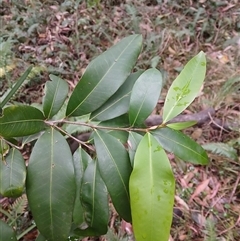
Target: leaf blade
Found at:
6, 232
56, 92
56, 195
144, 96
152, 187
96, 84
118, 104
115, 169
21, 120
185, 87
181, 145
181, 125
94, 198
12, 174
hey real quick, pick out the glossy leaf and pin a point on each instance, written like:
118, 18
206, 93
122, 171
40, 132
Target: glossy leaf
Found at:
56, 92
12, 174
118, 104
120, 121
94, 198
51, 186
21, 120
181, 145
104, 75
144, 96
80, 163
6, 232
152, 188
185, 87
133, 141
181, 125
115, 169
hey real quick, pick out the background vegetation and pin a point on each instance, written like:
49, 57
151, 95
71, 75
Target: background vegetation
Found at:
61, 37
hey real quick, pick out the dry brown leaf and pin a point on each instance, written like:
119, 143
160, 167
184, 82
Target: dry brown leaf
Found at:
200, 188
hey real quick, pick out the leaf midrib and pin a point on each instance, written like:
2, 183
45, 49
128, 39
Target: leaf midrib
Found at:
109, 69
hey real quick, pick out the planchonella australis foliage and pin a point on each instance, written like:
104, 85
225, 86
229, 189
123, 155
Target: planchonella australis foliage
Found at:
123, 159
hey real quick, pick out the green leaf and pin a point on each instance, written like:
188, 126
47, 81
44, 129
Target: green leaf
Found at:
6, 232
94, 198
21, 120
30, 138
152, 188
181, 125
104, 76
51, 185
120, 121
185, 87
133, 141
181, 145
80, 165
77, 128
118, 104
115, 169
144, 97
222, 149
12, 174
56, 92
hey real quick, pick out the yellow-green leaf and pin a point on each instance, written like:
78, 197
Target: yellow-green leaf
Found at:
152, 188
185, 87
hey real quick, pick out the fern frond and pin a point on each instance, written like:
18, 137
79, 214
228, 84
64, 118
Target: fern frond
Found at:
210, 230
19, 206
221, 149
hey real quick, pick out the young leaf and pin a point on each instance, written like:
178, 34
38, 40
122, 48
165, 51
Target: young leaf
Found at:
118, 104
94, 198
181, 125
51, 186
152, 188
56, 92
181, 145
144, 96
6, 232
185, 87
12, 174
21, 120
115, 169
104, 76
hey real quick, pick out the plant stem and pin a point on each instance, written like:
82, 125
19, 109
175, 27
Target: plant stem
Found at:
26, 231
6, 214
74, 138
52, 123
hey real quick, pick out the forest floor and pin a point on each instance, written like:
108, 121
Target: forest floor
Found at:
62, 37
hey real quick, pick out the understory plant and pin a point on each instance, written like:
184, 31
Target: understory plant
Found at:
122, 160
